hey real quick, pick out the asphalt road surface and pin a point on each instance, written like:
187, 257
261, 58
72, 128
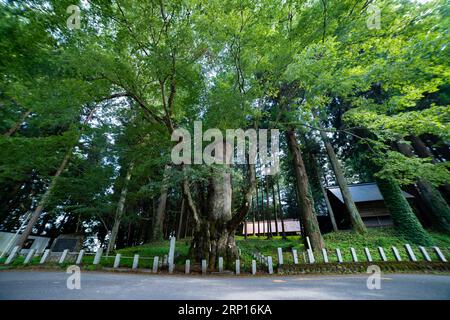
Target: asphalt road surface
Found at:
98, 285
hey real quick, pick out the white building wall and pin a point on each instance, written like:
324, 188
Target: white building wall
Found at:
39, 243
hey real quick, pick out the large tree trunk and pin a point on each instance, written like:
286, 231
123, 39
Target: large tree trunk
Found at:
438, 210
305, 200
212, 238
269, 217
422, 151
119, 211
254, 217
318, 174
353, 214
404, 219
274, 203
263, 212
158, 226
214, 235
180, 222
283, 233
258, 209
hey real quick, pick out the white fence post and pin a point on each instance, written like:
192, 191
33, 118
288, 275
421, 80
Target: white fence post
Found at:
98, 256
80, 257
410, 252
325, 255
172, 254
187, 267
425, 253
253, 267
44, 256
295, 255
135, 262
270, 265
368, 255
396, 254
117, 261
440, 254
382, 254
12, 255
204, 267
280, 256
63, 256
220, 264
30, 256
311, 256
238, 267
354, 256
339, 255
155, 264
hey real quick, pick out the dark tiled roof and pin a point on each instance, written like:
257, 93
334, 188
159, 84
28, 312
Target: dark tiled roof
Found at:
363, 192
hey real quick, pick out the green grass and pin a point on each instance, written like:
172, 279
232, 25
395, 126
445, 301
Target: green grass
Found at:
148, 251
344, 240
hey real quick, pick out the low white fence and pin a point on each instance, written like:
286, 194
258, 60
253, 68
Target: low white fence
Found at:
310, 257
265, 262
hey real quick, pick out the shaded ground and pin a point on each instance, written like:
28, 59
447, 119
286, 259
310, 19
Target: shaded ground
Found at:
97, 285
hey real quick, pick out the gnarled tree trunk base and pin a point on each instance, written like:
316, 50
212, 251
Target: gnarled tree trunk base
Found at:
214, 240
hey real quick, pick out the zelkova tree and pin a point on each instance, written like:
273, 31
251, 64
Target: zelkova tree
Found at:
159, 71
164, 65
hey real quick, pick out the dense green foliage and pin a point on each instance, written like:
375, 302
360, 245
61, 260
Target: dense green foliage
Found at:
109, 95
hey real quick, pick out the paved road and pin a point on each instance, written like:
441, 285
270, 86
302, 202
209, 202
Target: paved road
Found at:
97, 285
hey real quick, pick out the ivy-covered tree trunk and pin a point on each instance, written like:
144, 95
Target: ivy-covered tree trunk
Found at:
422, 151
353, 213
438, 209
403, 217
305, 201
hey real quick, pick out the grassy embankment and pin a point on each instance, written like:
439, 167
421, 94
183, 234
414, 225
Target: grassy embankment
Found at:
380, 237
